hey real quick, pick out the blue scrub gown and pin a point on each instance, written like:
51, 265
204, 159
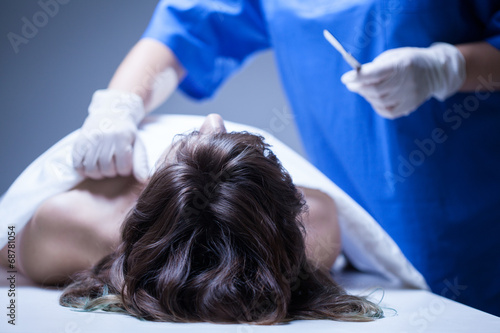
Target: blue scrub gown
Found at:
431, 179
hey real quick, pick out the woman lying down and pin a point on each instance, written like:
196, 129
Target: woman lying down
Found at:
219, 233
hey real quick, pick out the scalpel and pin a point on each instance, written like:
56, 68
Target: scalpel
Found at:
347, 56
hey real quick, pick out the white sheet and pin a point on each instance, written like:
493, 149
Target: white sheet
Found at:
365, 243
38, 310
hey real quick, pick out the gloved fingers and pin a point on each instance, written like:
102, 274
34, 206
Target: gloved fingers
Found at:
373, 94
400, 102
379, 90
140, 161
388, 96
370, 73
106, 161
378, 102
90, 164
385, 110
79, 150
84, 150
406, 107
391, 105
383, 97
392, 111
354, 86
85, 159
123, 159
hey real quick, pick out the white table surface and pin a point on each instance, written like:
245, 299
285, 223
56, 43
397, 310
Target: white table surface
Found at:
38, 310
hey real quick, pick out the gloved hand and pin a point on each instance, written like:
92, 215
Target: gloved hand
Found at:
106, 145
398, 81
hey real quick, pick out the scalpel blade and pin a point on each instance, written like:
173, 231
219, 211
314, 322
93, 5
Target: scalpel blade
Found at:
347, 56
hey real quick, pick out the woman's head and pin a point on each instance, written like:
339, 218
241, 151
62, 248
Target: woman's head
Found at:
215, 236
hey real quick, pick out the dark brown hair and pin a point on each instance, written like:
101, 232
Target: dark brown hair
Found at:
216, 236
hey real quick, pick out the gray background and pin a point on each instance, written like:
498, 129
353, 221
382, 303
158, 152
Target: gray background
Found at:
46, 86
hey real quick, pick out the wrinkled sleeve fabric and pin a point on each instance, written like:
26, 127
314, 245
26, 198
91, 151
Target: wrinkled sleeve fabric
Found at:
211, 38
489, 13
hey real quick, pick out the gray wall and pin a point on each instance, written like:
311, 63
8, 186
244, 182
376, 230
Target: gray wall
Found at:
45, 86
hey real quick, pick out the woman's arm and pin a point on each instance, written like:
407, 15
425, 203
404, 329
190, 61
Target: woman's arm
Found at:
150, 70
482, 66
322, 239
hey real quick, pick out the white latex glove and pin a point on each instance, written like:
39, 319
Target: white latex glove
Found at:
398, 81
106, 146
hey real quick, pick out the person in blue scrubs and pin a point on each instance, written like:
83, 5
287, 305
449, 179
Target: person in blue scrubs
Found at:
413, 137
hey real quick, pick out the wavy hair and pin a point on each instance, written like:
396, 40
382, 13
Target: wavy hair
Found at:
216, 236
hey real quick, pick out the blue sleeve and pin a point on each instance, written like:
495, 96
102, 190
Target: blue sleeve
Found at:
489, 14
211, 38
